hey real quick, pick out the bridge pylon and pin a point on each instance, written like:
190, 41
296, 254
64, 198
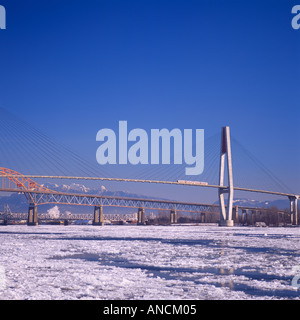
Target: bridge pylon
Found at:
226, 213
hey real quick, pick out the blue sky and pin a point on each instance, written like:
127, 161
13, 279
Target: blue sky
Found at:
73, 67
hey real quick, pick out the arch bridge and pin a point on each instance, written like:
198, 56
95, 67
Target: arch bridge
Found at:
36, 194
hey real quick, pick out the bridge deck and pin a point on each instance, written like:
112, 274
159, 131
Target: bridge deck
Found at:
42, 197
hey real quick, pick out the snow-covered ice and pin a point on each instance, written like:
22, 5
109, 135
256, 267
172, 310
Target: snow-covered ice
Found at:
148, 262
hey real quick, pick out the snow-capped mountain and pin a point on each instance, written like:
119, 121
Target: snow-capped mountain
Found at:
82, 189
18, 203
280, 203
73, 187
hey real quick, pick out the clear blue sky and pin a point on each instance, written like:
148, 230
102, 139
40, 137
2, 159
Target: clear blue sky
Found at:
73, 67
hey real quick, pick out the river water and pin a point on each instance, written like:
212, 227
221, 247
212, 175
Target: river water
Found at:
149, 262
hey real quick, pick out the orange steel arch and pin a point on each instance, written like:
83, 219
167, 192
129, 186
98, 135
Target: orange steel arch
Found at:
17, 181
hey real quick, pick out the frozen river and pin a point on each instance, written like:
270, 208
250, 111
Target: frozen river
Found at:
149, 262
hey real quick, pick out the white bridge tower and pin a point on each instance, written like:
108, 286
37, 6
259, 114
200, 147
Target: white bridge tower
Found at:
226, 212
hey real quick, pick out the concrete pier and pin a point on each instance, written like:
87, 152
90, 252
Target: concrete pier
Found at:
141, 216
245, 216
202, 217
294, 210
235, 214
253, 216
32, 219
98, 216
226, 223
173, 216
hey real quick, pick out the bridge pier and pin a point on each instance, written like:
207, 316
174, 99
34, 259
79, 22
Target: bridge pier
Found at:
294, 210
32, 219
173, 216
5, 222
226, 223
244, 216
141, 216
253, 217
98, 216
235, 214
202, 217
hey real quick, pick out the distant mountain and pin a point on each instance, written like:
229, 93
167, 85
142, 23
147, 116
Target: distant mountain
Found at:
18, 203
74, 187
280, 203
82, 189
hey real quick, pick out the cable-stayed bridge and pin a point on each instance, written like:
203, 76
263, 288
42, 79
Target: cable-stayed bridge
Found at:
38, 151
37, 194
